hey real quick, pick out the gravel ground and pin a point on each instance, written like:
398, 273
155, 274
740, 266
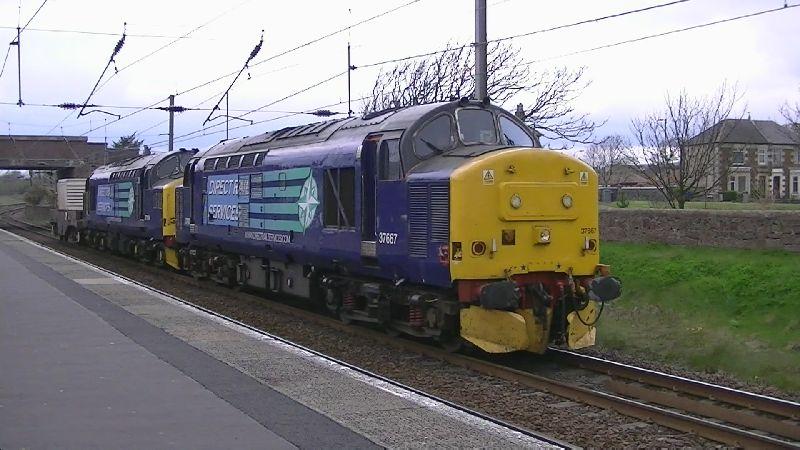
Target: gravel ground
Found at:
720, 378
562, 419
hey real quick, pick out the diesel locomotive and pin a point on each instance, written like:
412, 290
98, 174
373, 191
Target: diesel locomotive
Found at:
439, 221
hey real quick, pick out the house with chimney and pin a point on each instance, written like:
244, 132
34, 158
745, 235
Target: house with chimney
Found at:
759, 159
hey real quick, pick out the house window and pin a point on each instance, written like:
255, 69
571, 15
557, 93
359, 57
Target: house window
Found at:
762, 157
777, 157
737, 157
741, 183
339, 198
795, 180
732, 183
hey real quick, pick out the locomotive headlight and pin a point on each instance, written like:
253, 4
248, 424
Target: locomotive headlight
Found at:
542, 235
566, 200
516, 201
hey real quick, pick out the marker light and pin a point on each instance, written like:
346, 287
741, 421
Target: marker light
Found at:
478, 248
516, 201
566, 200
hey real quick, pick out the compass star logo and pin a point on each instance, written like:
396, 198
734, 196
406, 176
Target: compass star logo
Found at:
307, 203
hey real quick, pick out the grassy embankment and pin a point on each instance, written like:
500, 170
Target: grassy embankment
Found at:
726, 206
11, 199
735, 311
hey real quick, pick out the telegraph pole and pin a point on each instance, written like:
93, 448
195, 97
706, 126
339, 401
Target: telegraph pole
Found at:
349, 69
480, 50
19, 68
171, 121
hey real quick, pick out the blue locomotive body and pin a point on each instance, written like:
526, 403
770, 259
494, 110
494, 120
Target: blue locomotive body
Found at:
437, 221
124, 201
321, 200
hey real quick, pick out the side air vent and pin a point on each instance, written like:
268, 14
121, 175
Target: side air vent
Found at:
418, 220
440, 212
179, 207
428, 217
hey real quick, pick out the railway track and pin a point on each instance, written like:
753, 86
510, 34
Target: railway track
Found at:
715, 412
8, 218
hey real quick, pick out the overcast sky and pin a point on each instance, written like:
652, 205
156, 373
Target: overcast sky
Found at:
760, 54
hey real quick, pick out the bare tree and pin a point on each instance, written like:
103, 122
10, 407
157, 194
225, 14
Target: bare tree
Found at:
678, 146
792, 115
606, 156
450, 75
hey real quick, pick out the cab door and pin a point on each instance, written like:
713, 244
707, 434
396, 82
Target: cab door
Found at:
391, 204
368, 196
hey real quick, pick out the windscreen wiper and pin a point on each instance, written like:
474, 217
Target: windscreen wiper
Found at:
432, 147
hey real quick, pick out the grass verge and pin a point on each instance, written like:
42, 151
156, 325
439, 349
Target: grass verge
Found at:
11, 199
710, 309
724, 206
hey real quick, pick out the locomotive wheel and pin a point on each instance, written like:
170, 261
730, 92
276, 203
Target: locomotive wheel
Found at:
73, 236
344, 317
332, 302
391, 331
160, 257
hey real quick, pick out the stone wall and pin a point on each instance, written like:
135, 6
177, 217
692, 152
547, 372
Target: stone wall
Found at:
733, 229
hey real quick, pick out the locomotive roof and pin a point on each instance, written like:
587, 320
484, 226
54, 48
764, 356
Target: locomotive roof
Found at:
138, 162
351, 127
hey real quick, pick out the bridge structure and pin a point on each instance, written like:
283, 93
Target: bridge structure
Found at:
67, 156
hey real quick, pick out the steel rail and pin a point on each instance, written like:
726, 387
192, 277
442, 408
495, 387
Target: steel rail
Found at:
780, 407
703, 427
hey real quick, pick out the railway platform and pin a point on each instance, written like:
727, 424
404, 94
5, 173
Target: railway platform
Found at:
90, 360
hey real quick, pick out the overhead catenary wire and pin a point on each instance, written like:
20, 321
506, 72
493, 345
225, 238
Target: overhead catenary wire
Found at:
33, 16
72, 106
5, 60
369, 19
599, 47
786, 6
19, 32
261, 108
528, 33
665, 33
104, 33
259, 122
303, 45
217, 94
250, 57
199, 27
114, 53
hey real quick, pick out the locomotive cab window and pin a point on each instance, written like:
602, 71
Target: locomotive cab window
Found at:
476, 126
513, 134
168, 167
390, 166
247, 160
339, 198
435, 137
